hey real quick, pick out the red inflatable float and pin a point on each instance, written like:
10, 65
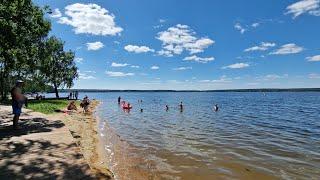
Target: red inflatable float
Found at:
125, 105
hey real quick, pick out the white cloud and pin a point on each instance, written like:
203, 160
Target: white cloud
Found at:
311, 7
162, 20
290, 48
314, 76
151, 83
78, 60
157, 26
154, 67
181, 68
181, 38
274, 77
255, 24
198, 59
94, 46
56, 13
165, 53
262, 47
113, 64
313, 58
236, 66
86, 75
138, 49
90, 19
245, 57
118, 74
222, 79
271, 77
238, 27
253, 84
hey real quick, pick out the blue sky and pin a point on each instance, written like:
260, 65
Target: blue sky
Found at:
175, 44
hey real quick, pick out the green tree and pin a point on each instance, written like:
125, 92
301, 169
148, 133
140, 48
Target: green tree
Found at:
57, 66
22, 30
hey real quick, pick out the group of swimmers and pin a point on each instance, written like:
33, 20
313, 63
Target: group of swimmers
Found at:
127, 106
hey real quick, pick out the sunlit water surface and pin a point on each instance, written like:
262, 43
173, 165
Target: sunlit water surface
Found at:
252, 134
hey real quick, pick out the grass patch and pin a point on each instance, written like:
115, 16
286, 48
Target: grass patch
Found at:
47, 106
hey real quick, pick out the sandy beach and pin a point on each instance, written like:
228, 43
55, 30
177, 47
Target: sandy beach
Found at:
60, 146
85, 134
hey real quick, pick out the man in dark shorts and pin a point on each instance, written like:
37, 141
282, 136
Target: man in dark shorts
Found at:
18, 99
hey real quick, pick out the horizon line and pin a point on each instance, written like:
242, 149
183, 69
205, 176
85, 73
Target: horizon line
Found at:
240, 89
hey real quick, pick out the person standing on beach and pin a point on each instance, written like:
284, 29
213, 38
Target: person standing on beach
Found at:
181, 106
119, 100
18, 99
85, 104
76, 94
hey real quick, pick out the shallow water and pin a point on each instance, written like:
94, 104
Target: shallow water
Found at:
276, 135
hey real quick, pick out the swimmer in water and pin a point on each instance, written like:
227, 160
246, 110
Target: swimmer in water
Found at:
167, 108
181, 106
141, 110
119, 100
215, 107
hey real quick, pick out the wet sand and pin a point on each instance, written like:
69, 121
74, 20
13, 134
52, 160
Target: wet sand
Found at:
129, 162
83, 128
120, 157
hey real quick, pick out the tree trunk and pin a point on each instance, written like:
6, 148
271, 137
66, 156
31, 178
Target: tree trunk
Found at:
4, 86
56, 91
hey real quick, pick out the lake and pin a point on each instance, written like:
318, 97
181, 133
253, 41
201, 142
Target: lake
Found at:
266, 136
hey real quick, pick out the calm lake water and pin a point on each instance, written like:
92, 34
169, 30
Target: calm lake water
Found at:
276, 135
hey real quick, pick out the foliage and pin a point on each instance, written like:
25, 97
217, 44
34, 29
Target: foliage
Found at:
58, 66
23, 41
22, 28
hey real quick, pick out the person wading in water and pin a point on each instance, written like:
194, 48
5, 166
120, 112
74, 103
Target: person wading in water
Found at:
181, 107
119, 100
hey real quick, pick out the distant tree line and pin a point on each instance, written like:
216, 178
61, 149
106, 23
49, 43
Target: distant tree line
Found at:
28, 53
222, 90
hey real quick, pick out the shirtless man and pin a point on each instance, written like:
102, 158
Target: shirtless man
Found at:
18, 99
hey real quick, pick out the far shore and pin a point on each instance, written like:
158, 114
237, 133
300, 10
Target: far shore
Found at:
217, 90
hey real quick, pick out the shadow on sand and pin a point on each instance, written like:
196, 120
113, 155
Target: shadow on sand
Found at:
40, 164
27, 126
34, 157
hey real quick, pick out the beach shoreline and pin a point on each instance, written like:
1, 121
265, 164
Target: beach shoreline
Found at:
84, 129
116, 152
